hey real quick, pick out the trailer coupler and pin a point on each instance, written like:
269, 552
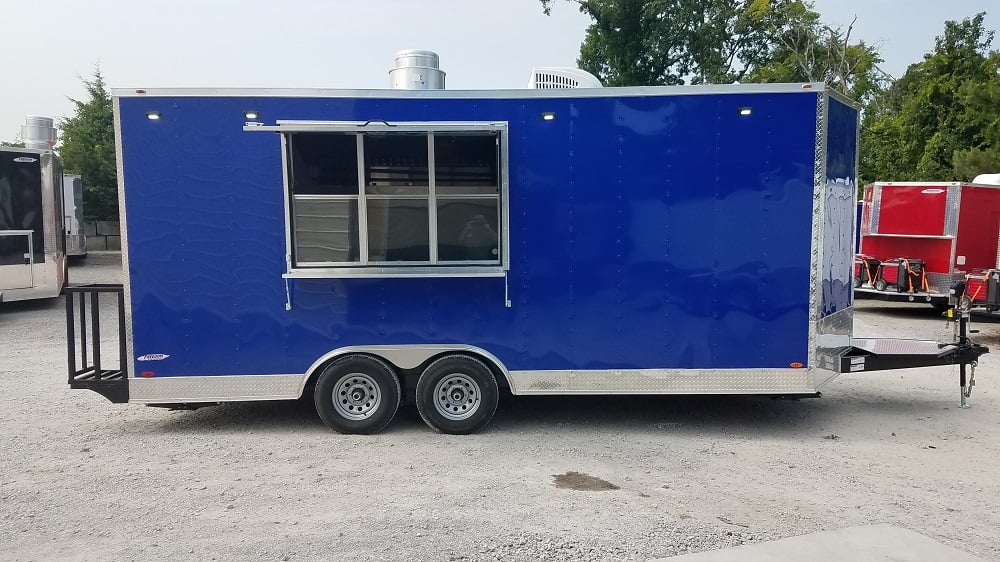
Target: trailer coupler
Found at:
883, 354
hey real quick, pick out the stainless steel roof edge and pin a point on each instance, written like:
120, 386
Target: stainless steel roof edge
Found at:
26, 150
814, 87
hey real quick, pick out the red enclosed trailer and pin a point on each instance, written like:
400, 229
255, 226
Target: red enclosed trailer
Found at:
951, 229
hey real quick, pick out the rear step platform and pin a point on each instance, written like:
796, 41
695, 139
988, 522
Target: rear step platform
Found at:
88, 368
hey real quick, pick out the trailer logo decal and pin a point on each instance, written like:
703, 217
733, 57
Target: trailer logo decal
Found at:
932, 191
25, 159
152, 357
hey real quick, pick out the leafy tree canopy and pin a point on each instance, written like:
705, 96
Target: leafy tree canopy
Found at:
941, 120
662, 42
88, 149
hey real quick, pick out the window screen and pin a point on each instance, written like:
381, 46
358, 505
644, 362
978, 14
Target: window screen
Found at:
395, 199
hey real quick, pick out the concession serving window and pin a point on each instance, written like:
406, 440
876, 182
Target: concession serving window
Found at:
403, 199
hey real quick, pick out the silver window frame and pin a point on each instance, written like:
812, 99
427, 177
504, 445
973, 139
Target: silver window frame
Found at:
364, 267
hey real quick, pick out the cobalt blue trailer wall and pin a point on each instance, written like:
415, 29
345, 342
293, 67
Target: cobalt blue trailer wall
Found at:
654, 231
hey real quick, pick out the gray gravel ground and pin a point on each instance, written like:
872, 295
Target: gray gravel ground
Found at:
82, 479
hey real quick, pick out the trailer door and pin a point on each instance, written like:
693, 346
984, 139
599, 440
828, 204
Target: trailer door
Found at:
15, 259
20, 217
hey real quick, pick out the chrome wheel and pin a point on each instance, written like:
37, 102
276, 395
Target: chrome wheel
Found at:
457, 397
356, 396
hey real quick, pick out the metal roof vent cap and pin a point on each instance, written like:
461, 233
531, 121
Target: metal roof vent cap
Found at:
417, 70
562, 77
38, 132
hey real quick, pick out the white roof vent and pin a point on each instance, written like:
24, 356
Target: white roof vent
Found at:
562, 77
988, 179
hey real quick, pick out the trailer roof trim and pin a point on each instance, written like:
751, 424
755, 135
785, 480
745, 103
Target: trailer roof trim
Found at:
513, 93
27, 150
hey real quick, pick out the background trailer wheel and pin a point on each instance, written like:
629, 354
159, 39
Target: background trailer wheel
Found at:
357, 394
457, 394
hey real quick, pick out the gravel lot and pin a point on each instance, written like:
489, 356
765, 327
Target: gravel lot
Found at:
83, 479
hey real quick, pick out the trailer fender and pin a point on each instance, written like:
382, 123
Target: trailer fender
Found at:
406, 357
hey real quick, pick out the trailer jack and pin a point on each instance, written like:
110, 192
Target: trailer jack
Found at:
882, 354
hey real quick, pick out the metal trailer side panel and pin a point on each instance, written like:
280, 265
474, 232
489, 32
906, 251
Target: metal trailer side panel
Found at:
646, 232
977, 227
837, 194
76, 240
31, 202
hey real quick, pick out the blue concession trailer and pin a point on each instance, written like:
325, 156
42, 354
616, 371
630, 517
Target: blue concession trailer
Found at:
443, 247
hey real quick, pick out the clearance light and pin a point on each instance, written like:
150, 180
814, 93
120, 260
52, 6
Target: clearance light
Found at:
153, 115
147, 374
745, 111
251, 114
549, 116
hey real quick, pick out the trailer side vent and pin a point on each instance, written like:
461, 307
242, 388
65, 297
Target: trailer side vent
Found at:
556, 78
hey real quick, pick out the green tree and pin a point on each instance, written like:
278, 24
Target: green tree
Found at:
939, 121
88, 149
810, 51
662, 42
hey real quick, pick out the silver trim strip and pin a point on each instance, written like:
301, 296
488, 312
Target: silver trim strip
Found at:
123, 223
362, 203
833, 93
928, 236
707, 89
432, 211
952, 206
225, 388
395, 271
406, 356
819, 204
290, 216
951, 222
663, 381
876, 209
923, 183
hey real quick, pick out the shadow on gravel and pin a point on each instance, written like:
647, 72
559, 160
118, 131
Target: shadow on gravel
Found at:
34, 305
710, 415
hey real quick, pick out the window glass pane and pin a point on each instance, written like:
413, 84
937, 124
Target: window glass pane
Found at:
398, 230
396, 163
466, 163
326, 231
324, 163
467, 229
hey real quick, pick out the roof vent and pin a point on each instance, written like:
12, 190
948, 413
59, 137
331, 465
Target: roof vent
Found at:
38, 132
417, 70
987, 179
560, 77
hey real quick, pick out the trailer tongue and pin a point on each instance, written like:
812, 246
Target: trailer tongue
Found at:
883, 354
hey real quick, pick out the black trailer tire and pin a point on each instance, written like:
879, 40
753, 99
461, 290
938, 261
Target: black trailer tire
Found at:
457, 394
357, 394
856, 281
880, 285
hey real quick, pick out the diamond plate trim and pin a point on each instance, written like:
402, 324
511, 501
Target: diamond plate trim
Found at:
952, 204
123, 225
819, 201
940, 283
876, 207
891, 346
998, 252
230, 388
664, 381
834, 334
